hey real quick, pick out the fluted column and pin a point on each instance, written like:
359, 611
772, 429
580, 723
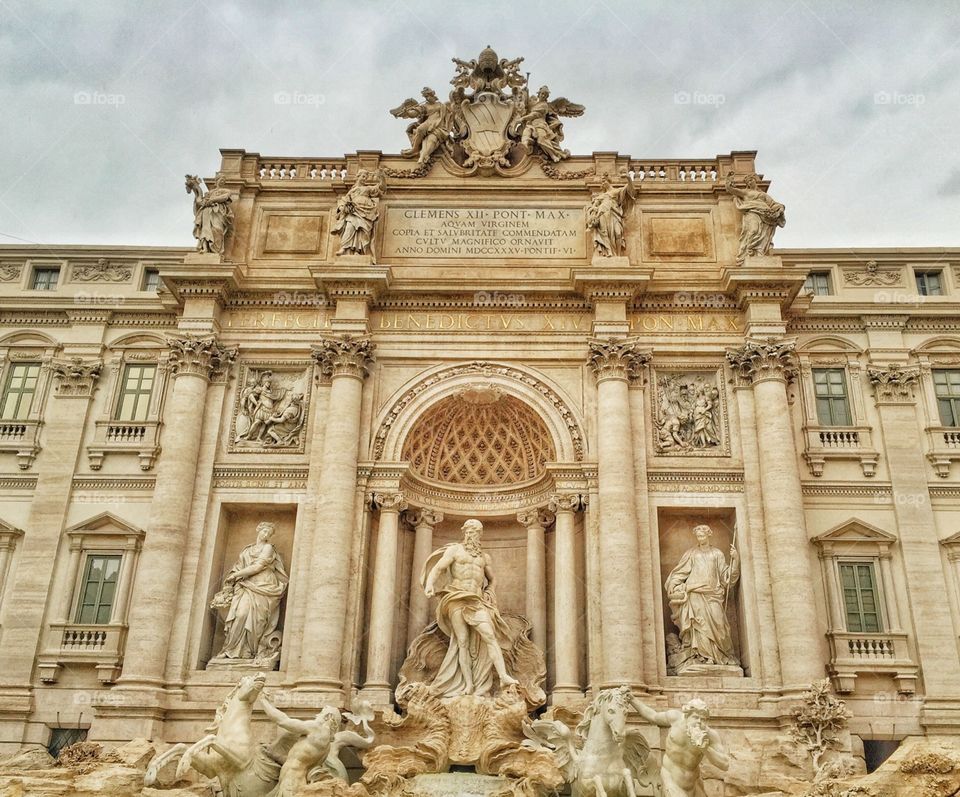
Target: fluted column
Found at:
345, 359
383, 602
423, 522
615, 363
566, 608
194, 361
536, 604
767, 365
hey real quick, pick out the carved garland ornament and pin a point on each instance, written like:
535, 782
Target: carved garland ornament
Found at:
769, 358
893, 383
101, 271
483, 369
872, 275
344, 355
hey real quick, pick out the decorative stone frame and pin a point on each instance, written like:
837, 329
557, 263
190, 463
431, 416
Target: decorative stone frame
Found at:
823, 443
69, 642
9, 535
22, 437
304, 368
951, 546
851, 653
690, 368
137, 437
943, 442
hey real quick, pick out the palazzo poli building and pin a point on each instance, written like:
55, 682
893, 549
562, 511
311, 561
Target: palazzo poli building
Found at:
592, 355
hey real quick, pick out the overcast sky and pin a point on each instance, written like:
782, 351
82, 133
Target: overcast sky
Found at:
854, 107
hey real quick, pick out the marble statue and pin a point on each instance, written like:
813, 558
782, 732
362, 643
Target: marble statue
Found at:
212, 214
314, 739
460, 574
697, 590
689, 741
357, 213
229, 750
540, 124
761, 217
688, 413
251, 596
604, 757
604, 216
431, 126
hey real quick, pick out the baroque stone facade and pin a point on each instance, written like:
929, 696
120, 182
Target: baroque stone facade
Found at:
594, 356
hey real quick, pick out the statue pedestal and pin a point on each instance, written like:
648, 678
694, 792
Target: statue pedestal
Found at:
458, 784
711, 670
203, 258
241, 666
610, 262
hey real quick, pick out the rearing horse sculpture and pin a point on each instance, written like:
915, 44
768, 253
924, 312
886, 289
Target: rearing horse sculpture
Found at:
603, 758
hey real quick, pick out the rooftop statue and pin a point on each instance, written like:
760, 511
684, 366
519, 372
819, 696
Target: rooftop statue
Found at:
761, 216
212, 214
489, 120
357, 212
604, 216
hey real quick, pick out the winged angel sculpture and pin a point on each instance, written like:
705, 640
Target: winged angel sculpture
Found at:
489, 120
602, 757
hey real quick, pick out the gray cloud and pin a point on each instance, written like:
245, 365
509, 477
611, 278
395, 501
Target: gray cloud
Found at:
852, 106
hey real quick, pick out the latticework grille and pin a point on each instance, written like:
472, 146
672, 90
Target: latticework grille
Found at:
479, 444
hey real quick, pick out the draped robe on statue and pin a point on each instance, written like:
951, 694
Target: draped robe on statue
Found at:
699, 613
449, 681
255, 607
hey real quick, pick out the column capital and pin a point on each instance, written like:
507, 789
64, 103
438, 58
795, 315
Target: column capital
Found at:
76, 377
199, 355
893, 383
565, 502
418, 517
344, 355
389, 502
761, 359
533, 518
612, 358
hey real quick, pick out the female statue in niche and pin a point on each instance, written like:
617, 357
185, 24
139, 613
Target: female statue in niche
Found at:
251, 595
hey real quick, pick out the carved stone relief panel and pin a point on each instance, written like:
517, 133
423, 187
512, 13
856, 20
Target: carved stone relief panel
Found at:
271, 407
689, 413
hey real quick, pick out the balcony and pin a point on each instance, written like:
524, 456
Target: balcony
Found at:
851, 654
824, 443
75, 643
943, 447
136, 437
20, 438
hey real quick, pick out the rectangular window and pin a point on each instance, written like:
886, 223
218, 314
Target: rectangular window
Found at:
18, 391
830, 388
98, 589
860, 600
929, 283
45, 278
946, 383
136, 387
64, 737
817, 283
151, 280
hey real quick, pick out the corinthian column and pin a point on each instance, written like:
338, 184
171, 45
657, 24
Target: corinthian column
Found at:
383, 602
194, 361
346, 360
768, 365
536, 605
566, 611
615, 363
423, 521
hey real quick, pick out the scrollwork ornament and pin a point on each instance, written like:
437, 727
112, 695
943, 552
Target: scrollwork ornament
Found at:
389, 502
76, 377
767, 358
893, 383
199, 355
617, 359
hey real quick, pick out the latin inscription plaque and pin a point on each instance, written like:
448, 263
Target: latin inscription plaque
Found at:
469, 233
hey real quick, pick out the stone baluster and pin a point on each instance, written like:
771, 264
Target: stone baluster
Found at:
194, 361
566, 609
615, 363
767, 365
383, 601
423, 522
535, 522
346, 360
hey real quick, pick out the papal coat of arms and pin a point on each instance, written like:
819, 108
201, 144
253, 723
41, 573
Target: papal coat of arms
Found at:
490, 121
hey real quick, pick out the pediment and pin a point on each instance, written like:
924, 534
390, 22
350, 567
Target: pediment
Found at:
952, 541
106, 523
855, 531
8, 530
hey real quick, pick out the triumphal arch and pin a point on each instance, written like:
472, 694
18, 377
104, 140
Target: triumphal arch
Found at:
547, 470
